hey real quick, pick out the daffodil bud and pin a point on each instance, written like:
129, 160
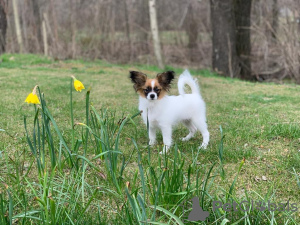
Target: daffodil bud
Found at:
77, 84
32, 97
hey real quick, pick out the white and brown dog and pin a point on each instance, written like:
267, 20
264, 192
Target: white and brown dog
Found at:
164, 111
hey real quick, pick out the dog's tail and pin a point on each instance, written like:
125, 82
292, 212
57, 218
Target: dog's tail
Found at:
186, 78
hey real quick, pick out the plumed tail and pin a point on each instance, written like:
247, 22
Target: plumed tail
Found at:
186, 78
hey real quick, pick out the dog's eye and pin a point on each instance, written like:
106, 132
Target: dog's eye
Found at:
147, 90
156, 90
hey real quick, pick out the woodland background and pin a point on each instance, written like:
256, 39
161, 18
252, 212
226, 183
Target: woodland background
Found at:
191, 33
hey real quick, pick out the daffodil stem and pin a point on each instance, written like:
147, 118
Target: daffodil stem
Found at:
72, 118
87, 120
86, 142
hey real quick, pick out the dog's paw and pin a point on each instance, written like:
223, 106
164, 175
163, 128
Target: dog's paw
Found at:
165, 150
203, 146
185, 139
152, 142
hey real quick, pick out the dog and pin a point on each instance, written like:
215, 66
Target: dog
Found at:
163, 111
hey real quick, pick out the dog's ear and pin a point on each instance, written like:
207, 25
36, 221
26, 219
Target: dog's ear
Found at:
138, 78
165, 79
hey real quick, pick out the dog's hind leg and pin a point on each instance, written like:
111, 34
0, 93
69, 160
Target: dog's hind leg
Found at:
202, 127
192, 129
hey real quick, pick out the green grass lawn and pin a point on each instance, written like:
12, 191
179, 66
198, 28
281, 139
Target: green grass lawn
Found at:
260, 124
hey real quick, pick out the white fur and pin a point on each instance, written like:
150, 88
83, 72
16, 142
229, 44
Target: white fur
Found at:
164, 113
152, 83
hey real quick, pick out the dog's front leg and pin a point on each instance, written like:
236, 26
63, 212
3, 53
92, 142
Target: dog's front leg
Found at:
152, 135
167, 138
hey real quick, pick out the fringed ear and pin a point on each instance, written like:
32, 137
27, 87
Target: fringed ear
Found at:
138, 78
165, 79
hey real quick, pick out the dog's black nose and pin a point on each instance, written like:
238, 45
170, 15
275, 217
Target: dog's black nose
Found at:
152, 96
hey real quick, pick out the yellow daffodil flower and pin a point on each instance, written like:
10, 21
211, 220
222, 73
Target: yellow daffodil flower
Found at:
32, 97
77, 84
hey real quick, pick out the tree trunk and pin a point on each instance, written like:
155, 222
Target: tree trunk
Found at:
3, 27
38, 24
242, 11
73, 26
55, 28
231, 21
191, 27
17, 25
155, 35
127, 23
225, 59
111, 28
274, 19
45, 39
144, 25
192, 32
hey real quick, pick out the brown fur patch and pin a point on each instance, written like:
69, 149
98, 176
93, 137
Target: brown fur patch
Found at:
162, 94
138, 79
165, 79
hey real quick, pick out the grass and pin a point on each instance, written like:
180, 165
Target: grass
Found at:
114, 176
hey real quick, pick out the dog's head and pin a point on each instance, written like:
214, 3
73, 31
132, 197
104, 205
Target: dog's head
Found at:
152, 89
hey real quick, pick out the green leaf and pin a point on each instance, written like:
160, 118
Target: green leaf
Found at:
176, 218
224, 221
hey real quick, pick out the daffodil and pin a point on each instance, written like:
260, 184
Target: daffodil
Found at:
77, 84
32, 97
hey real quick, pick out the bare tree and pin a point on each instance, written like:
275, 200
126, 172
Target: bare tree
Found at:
38, 24
144, 25
155, 35
242, 11
45, 39
127, 23
55, 26
73, 25
3, 26
17, 25
231, 37
274, 19
225, 60
191, 27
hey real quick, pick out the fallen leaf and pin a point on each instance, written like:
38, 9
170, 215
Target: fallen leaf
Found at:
102, 175
257, 178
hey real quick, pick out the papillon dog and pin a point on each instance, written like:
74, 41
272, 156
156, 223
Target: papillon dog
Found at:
163, 111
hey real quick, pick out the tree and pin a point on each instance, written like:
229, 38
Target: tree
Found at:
38, 23
191, 27
242, 10
155, 35
275, 15
231, 37
3, 26
144, 25
225, 60
127, 26
17, 25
